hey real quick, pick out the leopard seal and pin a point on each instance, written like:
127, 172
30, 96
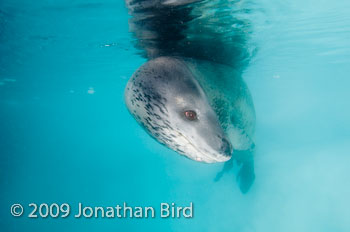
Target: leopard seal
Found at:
167, 100
190, 94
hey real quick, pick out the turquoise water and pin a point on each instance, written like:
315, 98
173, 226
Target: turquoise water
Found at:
66, 135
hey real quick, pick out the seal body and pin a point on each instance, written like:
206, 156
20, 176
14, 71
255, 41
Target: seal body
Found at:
231, 100
164, 89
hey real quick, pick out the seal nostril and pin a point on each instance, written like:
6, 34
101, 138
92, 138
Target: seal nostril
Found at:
226, 147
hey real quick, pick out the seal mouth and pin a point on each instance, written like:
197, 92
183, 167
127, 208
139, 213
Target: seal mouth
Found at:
206, 156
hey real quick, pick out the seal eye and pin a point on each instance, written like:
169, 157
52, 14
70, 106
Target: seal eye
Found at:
191, 115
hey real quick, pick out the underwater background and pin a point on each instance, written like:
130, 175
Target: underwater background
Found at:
67, 137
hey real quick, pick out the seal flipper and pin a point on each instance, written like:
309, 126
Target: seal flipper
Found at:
241, 132
227, 166
246, 174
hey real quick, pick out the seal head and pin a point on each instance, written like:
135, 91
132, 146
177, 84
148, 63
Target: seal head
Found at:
165, 98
